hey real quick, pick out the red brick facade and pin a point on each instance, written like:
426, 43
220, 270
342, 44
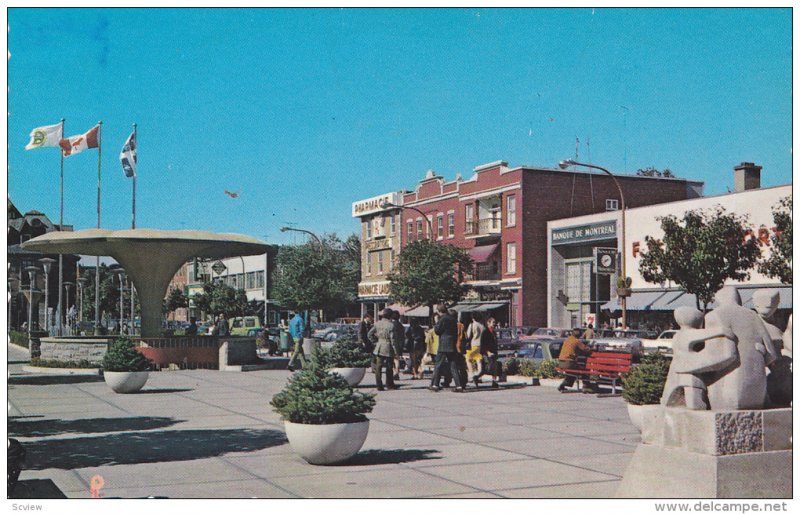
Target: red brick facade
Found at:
540, 195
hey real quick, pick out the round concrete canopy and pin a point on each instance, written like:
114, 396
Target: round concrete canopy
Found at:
150, 257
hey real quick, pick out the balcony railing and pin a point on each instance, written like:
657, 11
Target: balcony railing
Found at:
485, 272
482, 227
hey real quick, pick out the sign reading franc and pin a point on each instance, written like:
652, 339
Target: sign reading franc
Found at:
584, 233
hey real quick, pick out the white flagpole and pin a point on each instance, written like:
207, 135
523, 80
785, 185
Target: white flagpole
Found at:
60, 325
97, 261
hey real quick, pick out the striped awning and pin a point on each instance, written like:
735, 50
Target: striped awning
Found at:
670, 300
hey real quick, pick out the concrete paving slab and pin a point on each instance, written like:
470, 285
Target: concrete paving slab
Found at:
520, 473
253, 488
567, 446
600, 489
613, 463
203, 471
391, 483
495, 433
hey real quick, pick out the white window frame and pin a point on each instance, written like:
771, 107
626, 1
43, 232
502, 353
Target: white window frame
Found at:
419, 229
410, 236
469, 216
451, 224
380, 262
440, 226
511, 210
394, 224
511, 258
369, 228
368, 266
612, 204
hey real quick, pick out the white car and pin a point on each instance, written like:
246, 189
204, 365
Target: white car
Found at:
662, 343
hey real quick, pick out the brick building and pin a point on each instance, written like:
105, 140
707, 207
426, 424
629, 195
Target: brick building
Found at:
500, 216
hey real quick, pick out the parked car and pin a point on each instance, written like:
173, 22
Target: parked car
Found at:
508, 338
619, 340
662, 343
239, 326
548, 333
540, 350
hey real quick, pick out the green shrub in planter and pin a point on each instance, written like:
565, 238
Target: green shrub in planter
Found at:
122, 356
547, 369
315, 397
53, 363
645, 382
346, 352
19, 338
511, 366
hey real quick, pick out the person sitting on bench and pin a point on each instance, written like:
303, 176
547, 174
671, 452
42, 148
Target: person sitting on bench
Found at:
567, 358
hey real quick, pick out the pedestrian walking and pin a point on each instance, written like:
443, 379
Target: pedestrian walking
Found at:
488, 350
474, 357
382, 335
399, 342
297, 328
363, 329
415, 345
461, 347
222, 326
447, 330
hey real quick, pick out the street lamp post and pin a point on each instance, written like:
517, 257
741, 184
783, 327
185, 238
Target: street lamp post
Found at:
120, 273
570, 162
290, 229
389, 205
32, 270
46, 264
81, 285
67, 285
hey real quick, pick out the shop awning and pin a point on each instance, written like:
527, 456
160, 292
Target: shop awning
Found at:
785, 296
418, 312
671, 299
478, 306
482, 253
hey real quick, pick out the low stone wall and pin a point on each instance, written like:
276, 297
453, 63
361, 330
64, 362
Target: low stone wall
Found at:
236, 352
76, 349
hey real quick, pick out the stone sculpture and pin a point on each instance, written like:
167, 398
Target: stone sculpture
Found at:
694, 359
787, 339
779, 380
743, 386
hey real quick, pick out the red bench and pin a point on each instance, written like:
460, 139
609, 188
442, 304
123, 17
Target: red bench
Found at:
602, 367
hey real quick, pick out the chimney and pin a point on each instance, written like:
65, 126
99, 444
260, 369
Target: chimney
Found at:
746, 176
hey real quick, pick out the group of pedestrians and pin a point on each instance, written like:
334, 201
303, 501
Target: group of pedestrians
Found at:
457, 350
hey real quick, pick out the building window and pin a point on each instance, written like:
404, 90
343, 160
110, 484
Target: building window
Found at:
612, 204
469, 216
369, 264
511, 211
260, 279
394, 223
440, 226
380, 262
410, 231
419, 229
369, 228
511, 258
451, 224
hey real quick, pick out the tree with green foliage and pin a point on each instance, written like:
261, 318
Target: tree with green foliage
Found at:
779, 262
644, 383
109, 294
700, 252
175, 300
218, 297
653, 172
317, 276
429, 273
123, 356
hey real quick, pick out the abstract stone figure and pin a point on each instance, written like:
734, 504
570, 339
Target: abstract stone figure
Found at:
779, 380
787, 339
693, 360
743, 386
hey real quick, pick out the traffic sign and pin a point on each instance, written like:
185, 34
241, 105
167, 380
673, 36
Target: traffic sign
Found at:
218, 267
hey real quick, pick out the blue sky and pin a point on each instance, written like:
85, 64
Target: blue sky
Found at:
304, 111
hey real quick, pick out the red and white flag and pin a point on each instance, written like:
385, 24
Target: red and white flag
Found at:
76, 144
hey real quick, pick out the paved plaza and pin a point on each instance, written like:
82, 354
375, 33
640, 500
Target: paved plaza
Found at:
212, 434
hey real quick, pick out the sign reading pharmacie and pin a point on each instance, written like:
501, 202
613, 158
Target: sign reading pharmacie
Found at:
372, 205
585, 233
367, 289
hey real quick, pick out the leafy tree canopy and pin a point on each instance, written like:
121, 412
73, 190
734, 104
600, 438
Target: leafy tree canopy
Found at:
315, 276
653, 172
700, 252
219, 297
779, 263
429, 273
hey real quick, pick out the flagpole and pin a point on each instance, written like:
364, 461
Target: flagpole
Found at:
60, 330
97, 261
135, 144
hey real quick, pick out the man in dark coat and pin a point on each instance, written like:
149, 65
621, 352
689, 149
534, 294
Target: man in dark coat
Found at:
382, 335
363, 329
447, 330
399, 342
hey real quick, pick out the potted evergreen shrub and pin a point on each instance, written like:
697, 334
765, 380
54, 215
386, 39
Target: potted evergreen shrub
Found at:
643, 387
124, 369
347, 358
324, 418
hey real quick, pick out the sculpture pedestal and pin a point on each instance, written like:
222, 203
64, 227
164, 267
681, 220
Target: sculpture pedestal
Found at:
712, 454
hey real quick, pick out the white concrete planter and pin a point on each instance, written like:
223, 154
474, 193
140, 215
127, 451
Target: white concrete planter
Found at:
125, 381
326, 444
309, 343
352, 375
644, 415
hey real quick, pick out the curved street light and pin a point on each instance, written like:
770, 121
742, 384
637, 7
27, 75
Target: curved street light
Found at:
570, 162
32, 271
389, 205
290, 229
